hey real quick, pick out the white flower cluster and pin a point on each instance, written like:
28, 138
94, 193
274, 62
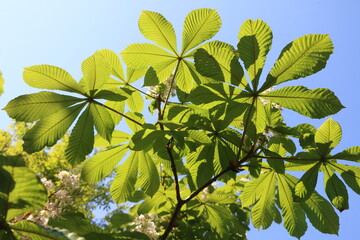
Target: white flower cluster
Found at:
60, 197
145, 224
163, 89
264, 101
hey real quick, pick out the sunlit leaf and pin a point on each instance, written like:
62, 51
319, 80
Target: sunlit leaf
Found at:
328, 136
123, 185
156, 28
32, 107
81, 140
149, 179
102, 164
200, 25
135, 102
50, 129
307, 183
255, 39
114, 61
20, 189
51, 77
102, 120
351, 154
117, 138
302, 57
293, 215
96, 71
315, 103
350, 174
335, 189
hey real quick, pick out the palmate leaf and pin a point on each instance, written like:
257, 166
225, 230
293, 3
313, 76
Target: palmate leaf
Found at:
149, 179
96, 71
255, 39
37, 232
144, 55
207, 65
51, 77
350, 154
114, 61
200, 25
102, 120
81, 140
135, 102
224, 54
319, 211
123, 185
328, 136
315, 103
118, 106
221, 220
294, 216
32, 107
302, 57
350, 174
118, 137
20, 189
50, 129
307, 183
157, 29
262, 213
335, 189
102, 164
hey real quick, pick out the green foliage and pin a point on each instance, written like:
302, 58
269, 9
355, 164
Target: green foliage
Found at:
213, 121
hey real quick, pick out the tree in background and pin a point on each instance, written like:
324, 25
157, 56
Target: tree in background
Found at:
217, 154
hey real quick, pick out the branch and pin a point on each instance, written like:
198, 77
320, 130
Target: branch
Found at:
173, 168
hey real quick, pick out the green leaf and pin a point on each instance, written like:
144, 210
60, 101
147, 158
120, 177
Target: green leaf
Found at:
102, 120
294, 216
316, 103
81, 140
50, 129
156, 28
225, 56
117, 138
321, 214
144, 55
75, 222
335, 189
37, 232
20, 189
328, 136
123, 185
51, 77
114, 61
135, 102
117, 106
137, 117
96, 71
207, 65
113, 94
185, 76
254, 189
102, 164
350, 174
151, 78
350, 154
200, 25
32, 107
134, 74
255, 39
120, 219
307, 183
149, 179
263, 211
302, 57
220, 219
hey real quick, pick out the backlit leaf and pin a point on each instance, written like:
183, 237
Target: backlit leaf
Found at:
307, 183
114, 61
315, 103
50, 129
81, 140
200, 25
32, 107
102, 164
102, 120
149, 179
156, 28
255, 39
350, 154
51, 77
37, 232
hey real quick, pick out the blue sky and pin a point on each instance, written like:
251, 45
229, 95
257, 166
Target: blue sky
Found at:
64, 33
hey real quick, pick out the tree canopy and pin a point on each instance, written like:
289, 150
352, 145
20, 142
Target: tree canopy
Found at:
218, 154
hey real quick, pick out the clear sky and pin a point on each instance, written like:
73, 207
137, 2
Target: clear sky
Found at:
64, 33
